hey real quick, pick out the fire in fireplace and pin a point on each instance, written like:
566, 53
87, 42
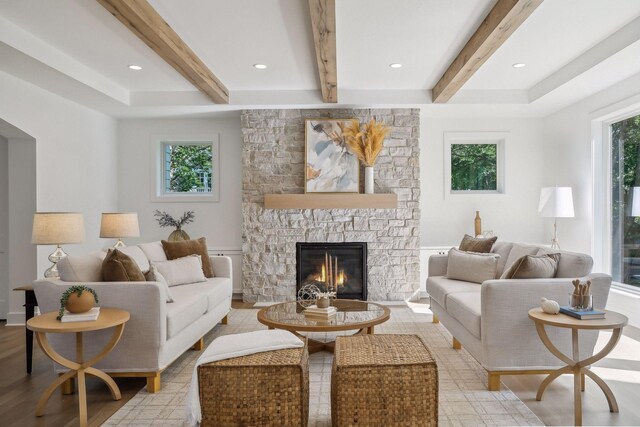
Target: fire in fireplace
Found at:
339, 267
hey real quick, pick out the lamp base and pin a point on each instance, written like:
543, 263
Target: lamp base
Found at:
555, 243
119, 244
57, 255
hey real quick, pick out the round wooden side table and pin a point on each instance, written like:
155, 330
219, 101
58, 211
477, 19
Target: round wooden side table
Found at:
613, 320
47, 324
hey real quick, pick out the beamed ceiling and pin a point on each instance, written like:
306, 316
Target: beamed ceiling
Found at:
198, 56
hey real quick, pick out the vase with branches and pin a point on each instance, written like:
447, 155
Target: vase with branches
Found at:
166, 220
366, 142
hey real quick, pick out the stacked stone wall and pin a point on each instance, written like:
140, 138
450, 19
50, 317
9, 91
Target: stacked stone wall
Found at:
273, 163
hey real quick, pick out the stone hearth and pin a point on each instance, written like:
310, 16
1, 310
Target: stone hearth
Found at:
273, 162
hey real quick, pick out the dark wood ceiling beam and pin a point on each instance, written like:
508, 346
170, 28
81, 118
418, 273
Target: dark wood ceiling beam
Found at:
503, 19
323, 23
146, 23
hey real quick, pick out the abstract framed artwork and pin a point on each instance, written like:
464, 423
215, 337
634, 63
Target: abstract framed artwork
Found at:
329, 165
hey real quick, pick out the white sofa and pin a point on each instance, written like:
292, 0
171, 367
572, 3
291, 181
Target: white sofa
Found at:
490, 320
157, 332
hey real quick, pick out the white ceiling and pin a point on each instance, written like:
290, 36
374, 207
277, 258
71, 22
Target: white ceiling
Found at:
75, 48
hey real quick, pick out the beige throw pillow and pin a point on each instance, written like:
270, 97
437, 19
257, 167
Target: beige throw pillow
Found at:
153, 275
181, 271
471, 266
81, 268
477, 244
533, 267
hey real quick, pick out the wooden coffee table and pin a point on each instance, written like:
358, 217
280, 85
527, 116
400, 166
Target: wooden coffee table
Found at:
352, 315
577, 367
47, 324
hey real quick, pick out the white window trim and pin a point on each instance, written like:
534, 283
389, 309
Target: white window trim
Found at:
498, 138
601, 121
157, 168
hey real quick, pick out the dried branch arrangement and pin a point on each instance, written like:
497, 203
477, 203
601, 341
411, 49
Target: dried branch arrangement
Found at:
166, 220
365, 141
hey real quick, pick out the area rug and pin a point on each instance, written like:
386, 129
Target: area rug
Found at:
464, 399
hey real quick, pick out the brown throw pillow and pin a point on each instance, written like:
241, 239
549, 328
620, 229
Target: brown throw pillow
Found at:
477, 244
118, 267
190, 247
533, 267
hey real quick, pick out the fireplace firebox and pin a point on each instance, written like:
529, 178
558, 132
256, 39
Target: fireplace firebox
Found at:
339, 267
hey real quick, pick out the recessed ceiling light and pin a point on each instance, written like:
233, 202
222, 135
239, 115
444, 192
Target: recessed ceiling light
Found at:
395, 65
259, 66
135, 67
519, 65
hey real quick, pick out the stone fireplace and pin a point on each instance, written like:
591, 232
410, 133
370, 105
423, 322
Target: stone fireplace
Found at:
333, 267
273, 144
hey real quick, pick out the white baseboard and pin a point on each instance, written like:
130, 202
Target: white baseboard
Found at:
15, 318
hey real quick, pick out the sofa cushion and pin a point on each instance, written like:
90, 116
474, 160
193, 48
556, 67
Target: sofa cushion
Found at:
118, 267
81, 268
190, 247
187, 307
533, 267
471, 266
518, 251
465, 307
135, 253
439, 287
477, 244
181, 271
154, 251
502, 249
571, 264
216, 289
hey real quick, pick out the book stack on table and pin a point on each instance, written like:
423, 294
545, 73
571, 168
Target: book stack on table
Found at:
315, 313
87, 316
582, 314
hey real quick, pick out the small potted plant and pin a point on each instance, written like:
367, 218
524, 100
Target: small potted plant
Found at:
323, 299
77, 299
166, 220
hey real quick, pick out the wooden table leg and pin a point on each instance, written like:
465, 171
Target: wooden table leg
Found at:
579, 368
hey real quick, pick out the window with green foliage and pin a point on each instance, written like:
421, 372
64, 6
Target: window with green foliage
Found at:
187, 167
474, 167
625, 201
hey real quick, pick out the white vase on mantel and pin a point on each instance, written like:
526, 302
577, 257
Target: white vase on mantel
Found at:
368, 180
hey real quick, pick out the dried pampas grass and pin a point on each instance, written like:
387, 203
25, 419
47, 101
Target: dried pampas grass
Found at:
366, 141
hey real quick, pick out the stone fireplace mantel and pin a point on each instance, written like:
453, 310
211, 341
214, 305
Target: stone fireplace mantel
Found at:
277, 214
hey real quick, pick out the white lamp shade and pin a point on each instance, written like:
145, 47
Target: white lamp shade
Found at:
556, 202
117, 225
57, 228
635, 202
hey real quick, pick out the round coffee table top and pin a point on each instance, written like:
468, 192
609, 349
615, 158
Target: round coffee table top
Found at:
108, 318
612, 320
352, 314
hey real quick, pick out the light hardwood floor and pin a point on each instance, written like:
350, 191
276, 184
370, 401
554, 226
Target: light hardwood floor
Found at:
19, 391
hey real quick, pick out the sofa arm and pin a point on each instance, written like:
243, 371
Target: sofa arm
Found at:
143, 335
509, 337
222, 266
438, 265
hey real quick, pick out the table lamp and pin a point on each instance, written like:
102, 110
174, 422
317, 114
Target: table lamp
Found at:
118, 225
556, 202
57, 228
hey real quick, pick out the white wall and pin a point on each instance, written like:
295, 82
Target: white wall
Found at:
220, 222
512, 216
4, 227
76, 162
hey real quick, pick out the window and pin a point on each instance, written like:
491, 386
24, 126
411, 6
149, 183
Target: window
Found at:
186, 169
625, 201
474, 162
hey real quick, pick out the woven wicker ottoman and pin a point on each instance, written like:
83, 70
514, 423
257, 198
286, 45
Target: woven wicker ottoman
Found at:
383, 380
268, 389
